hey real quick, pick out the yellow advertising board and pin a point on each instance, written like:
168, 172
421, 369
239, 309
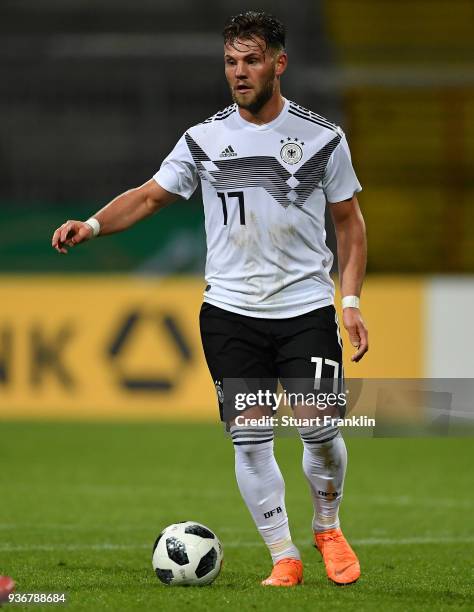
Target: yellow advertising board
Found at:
393, 308
101, 347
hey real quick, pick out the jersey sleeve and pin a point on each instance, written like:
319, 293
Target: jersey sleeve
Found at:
178, 173
340, 181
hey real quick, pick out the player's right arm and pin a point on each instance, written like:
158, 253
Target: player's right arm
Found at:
121, 213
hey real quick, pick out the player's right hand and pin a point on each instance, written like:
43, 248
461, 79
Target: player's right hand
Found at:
69, 234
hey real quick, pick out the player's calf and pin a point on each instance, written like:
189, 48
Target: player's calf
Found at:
324, 465
263, 489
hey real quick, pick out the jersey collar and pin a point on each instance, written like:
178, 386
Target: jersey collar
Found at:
264, 126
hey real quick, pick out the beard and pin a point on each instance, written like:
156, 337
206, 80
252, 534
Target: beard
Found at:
258, 100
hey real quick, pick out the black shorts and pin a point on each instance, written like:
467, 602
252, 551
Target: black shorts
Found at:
299, 351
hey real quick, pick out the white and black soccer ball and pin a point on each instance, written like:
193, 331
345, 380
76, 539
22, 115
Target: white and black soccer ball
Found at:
187, 553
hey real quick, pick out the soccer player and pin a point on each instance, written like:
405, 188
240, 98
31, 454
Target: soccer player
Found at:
267, 167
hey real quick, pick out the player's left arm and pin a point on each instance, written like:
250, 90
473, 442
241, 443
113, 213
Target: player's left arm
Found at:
352, 256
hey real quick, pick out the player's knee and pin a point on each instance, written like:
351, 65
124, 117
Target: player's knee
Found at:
250, 440
314, 437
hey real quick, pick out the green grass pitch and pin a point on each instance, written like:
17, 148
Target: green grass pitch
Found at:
81, 505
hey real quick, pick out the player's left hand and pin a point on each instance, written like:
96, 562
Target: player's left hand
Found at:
358, 334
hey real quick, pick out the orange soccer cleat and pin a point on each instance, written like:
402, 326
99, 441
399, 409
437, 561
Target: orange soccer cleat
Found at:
342, 564
285, 573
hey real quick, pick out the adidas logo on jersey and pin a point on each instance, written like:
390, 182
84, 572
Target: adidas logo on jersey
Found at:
228, 152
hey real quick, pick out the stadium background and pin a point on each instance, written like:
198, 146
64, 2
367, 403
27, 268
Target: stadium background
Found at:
94, 94
97, 93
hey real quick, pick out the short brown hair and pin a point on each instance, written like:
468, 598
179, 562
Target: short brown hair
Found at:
253, 24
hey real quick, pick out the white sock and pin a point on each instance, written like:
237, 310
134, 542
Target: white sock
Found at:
324, 465
263, 489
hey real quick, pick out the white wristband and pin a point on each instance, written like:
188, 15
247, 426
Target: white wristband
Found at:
350, 301
94, 225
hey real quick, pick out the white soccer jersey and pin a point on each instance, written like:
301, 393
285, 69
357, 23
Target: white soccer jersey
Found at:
264, 189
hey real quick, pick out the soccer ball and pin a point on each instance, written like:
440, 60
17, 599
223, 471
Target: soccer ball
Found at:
187, 553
